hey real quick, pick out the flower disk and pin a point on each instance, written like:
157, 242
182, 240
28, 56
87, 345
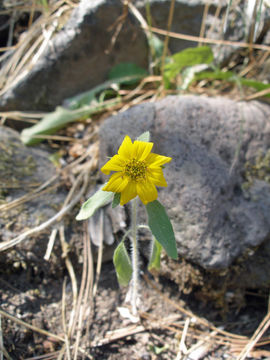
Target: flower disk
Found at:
137, 171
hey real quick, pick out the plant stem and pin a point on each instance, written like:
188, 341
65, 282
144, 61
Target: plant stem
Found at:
135, 265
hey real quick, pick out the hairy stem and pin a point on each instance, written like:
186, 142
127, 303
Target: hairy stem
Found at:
135, 265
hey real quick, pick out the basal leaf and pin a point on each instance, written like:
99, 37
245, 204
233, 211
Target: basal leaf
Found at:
96, 201
76, 108
122, 264
154, 262
58, 119
87, 97
49, 124
144, 137
161, 227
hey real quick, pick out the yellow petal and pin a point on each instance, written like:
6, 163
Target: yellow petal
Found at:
147, 191
114, 164
157, 160
117, 183
141, 149
128, 193
125, 148
155, 175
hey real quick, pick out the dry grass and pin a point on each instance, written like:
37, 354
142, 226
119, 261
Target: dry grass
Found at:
75, 341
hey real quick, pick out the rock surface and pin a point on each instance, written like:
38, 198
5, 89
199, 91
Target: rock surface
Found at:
22, 170
216, 219
81, 54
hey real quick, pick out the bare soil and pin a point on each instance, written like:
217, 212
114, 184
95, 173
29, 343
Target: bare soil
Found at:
37, 299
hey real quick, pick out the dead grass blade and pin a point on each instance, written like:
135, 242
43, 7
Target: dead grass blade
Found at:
40, 331
100, 251
71, 272
85, 300
66, 346
32, 45
210, 41
182, 345
42, 189
190, 314
114, 335
31, 327
264, 325
203, 24
258, 95
10, 243
166, 41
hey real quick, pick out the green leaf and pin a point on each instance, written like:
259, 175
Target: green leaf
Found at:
76, 108
187, 57
116, 200
90, 96
231, 77
96, 201
154, 262
161, 227
127, 69
144, 137
122, 264
216, 75
49, 124
58, 119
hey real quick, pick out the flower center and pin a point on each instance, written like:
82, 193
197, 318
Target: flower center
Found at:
135, 169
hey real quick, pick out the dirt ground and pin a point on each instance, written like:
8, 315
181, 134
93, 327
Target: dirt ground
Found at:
36, 298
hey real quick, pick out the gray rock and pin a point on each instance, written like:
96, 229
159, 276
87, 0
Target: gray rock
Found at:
216, 221
80, 55
22, 170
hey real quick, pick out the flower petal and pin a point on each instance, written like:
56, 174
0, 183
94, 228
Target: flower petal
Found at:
147, 191
125, 148
114, 164
141, 149
155, 175
157, 160
117, 183
128, 193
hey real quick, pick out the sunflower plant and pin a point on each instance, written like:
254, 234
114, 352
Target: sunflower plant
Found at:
136, 172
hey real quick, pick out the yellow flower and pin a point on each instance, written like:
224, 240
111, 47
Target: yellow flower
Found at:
137, 171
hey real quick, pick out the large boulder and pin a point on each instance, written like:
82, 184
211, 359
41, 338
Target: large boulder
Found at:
218, 194
22, 171
80, 55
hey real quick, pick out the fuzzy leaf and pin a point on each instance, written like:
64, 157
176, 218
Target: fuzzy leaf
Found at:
122, 264
49, 124
161, 227
154, 262
96, 201
144, 137
78, 107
